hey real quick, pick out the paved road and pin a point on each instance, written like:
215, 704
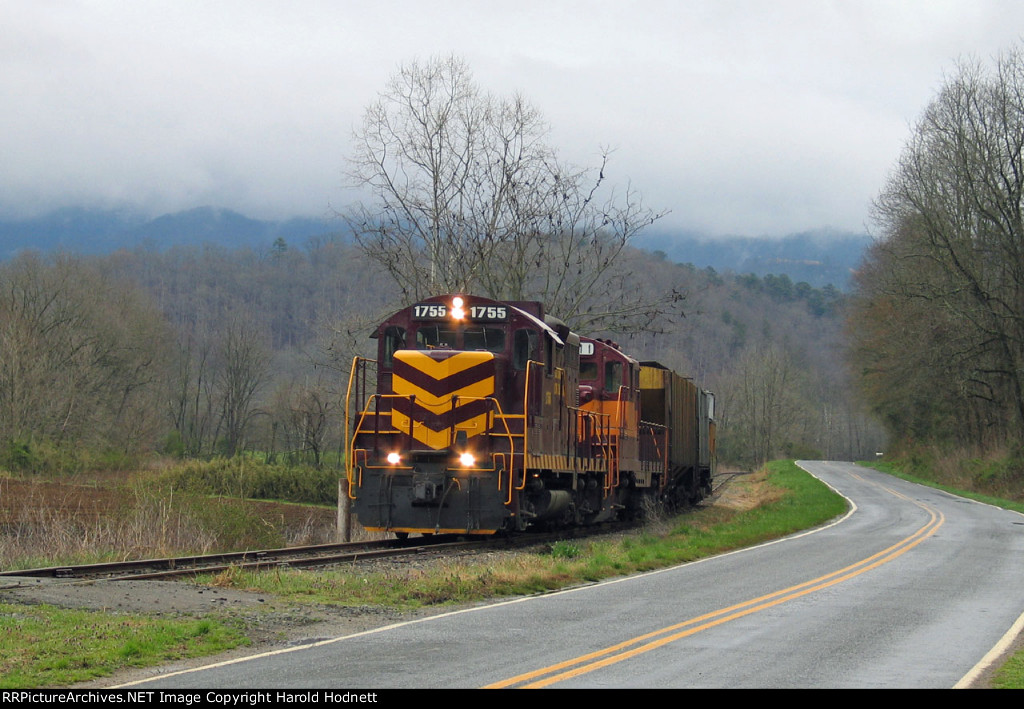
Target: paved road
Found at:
911, 589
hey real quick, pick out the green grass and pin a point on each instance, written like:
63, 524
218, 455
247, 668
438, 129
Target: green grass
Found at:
896, 470
1010, 675
45, 646
249, 477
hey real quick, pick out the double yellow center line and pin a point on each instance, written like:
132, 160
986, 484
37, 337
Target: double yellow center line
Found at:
644, 643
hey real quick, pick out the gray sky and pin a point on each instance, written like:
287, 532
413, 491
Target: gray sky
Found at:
753, 117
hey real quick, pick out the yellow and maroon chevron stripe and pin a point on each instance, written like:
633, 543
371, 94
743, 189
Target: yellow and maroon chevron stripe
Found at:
434, 379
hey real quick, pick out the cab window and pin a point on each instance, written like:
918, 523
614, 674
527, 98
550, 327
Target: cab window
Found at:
524, 344
612, 376
429, 337
394, 340
491, 339
588, 370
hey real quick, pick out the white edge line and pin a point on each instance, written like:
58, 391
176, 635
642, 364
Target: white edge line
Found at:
993, 655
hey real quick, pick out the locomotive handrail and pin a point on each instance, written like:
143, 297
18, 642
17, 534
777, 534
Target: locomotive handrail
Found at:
351, 482
611, 436
601, 426
620, 415
599, 431
611, 454
530, 364
358, 363
496, 405
359, 429
559, 373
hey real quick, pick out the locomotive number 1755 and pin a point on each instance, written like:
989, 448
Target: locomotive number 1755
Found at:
440, 311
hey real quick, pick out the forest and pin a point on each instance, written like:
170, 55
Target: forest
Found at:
937, 321
205, 351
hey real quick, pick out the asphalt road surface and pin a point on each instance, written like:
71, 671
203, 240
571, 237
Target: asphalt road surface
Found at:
911, 589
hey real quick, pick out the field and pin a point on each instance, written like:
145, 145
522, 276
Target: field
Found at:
44, 523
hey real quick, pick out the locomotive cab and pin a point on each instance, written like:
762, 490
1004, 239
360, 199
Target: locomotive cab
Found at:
609, 388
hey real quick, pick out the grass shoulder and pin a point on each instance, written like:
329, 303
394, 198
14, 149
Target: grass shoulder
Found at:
46, 646
899, 471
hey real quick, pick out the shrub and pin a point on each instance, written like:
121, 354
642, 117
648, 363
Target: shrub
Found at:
249, 478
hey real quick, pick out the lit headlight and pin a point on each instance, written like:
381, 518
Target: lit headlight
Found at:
394, 458
457, 312
467, 460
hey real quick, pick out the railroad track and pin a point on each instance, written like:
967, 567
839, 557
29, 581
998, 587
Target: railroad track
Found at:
300, 557
295, 557
722, 480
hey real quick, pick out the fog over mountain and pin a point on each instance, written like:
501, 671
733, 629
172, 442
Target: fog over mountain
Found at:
817, 257
96, 231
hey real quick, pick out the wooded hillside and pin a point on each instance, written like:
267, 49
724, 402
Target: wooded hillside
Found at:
199, 351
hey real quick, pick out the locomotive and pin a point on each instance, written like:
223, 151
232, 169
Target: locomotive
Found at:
480, 416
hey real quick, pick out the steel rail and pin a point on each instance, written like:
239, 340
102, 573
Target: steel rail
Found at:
321, 554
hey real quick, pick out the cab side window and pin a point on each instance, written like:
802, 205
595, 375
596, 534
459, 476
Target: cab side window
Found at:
588, 370
524, 344
612, 376
394, 340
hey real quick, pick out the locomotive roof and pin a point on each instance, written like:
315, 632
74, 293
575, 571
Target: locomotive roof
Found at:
539, 323
523, 307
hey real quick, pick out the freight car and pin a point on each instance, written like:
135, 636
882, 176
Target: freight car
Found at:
480, 416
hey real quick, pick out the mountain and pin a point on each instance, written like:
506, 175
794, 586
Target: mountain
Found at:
819, 258
94, 231
69, 229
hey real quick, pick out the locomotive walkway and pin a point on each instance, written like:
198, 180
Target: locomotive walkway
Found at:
911, 589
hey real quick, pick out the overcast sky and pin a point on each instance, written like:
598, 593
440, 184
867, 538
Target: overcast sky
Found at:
752, 117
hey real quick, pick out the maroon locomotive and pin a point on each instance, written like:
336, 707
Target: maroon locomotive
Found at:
470, 421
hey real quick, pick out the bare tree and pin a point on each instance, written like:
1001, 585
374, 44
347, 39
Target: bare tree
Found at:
952, 223
310, 418
81, 354
761, 399
191, 404
243, 370
466, 195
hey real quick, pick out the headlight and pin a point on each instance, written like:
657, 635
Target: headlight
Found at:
394, 458
457, 312
467, 460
